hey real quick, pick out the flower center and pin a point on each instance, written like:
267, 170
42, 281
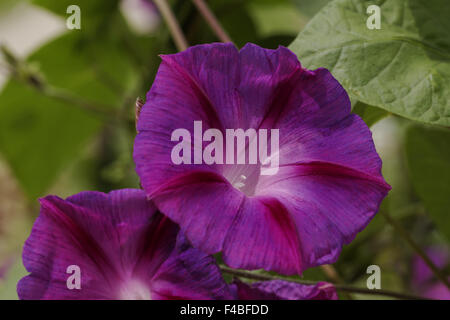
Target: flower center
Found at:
240, 182
242, 177
135, 290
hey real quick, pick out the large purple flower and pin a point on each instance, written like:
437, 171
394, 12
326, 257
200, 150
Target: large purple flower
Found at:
121, 247
325, 181
283, 290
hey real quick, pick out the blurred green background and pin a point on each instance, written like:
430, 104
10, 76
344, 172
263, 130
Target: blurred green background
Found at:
67, 112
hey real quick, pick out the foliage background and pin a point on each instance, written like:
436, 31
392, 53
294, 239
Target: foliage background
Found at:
67, 107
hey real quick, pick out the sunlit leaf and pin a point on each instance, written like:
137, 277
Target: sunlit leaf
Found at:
403, 68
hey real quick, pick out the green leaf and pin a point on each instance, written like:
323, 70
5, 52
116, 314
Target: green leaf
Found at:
428, 156
274, 18
403, 68
369, 114
310, 8
40, 136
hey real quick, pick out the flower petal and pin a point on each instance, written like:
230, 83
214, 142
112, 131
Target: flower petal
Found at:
102, 234
437, 291
263, 234
267, 78
421, 272
57, 242
199, 196
123, 247
285, 290
322, 128
127, 220
214, 84
328, 205
175, 101
189, 274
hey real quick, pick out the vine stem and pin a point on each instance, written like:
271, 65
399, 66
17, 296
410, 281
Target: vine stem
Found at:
174, 27
405, 235
34, 81
339, 287
67, 97
212, 20
332, 275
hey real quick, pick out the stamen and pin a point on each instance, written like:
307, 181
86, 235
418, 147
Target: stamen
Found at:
240, 183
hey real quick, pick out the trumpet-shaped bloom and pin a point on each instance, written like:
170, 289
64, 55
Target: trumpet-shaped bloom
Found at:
326, 183
284, 290
113, 246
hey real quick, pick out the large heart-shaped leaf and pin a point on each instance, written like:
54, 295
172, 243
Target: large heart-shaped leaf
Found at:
404, 67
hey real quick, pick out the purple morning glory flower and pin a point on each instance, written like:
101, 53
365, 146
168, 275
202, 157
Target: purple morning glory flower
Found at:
423, 279
302, 181
113, 246
284, 290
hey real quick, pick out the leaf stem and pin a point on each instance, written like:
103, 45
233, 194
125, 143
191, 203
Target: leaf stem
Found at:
212, 20
405, 235
174, 27
339, 287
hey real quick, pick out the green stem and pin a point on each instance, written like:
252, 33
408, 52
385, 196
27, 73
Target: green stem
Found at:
213, 22
34, 81
67, 97
405, 235
339, 287
174, 27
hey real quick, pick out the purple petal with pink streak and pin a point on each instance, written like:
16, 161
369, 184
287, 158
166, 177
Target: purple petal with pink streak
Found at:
124, 247
284, 290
